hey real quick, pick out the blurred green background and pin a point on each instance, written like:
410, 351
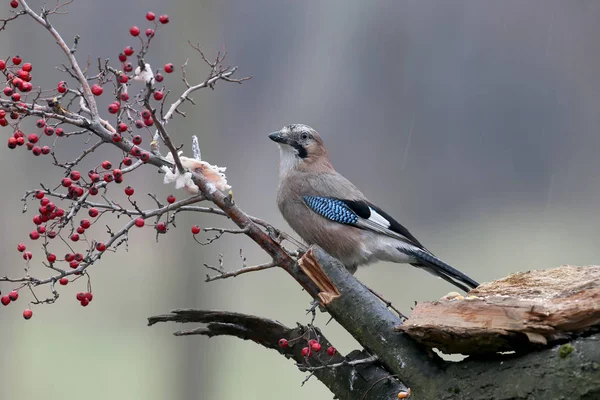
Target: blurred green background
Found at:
473, 122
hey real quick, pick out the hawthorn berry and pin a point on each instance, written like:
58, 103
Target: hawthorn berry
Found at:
89, 296
139, 124
52, 234
122, 57
135, 151
93, 190
17, 60
316, 347
23, 75
149, 32
69, 257
158, 95
85, 223
27, 67
2, 64
66, 182
113, 108
169, 68
40, 123
106, 164
75, 175
36, 150
63, 281
331, 351
117, 173
161, 227
123, 78
14, 295
127, 161
129, 191
48, 131
195, 230
84, 302
108, 178
78, 256
21, 247
46, 150
128, 67
74, 264
283, 343
159, 77
124, 96
75, 237
149, 121
26, 87
27, 314
134, 31
20, 141
34, 235
93, 212
33, 138
80, 296
139, 222
137, 140
62, 87
12, 143
122, 127
15, 97
145, 156
128, 51
306, 352
8, 91
171, 199
51, 257
164, 19
97, 90
58, 131
5, 300
150, 16
41, 229
100, 246
145, 114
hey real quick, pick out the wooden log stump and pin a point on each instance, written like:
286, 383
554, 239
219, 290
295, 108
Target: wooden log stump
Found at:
520, 313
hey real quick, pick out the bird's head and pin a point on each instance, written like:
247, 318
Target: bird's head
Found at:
300, 146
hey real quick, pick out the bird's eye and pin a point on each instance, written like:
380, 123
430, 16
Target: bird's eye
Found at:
304, 136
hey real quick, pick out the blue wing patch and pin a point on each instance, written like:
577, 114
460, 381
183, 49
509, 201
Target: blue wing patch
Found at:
332, 209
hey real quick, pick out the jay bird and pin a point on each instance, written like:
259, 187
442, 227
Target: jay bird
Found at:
326, 209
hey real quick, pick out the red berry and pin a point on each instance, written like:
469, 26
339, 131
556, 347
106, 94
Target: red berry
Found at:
33, 138
97, 90
62, 87
139, 222
37, 219
5, 300
311, 342
122, 57
20, 141
129, 191
80, 296
164, 19
195, 230
145, 156
93, 190
127, 161
41, 229
84, 302
27, 67
124, 96
161, 227
331, 351
12, 143
113, 108
93, 212
149, 32
283, 343
158, 95
34, 235
106, 164
158, 77
15, 97
146, 114
316, 347
27, 256
17, 60
117, 173
123, 78
14, 295
49, 131
74, 264
171, 199
58, 131
139, 124
134, 31
108, 178
69, 257
46, 150
51, 257
2, 64
40, 123
75, 175
306, 352
26, 87
27, 314
75, 237
169, 68
8, 91
149, 121
89, 296
128, 51
85, 223
21, 247
150, 16
63, 281
66, 182
135, 151
137, 140
100, 246
52, 234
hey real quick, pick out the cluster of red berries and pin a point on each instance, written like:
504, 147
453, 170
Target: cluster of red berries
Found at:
84, 298
18, 79
307, 351
12, 297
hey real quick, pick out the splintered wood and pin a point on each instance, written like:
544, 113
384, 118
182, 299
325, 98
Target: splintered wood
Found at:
310, 266
518, 313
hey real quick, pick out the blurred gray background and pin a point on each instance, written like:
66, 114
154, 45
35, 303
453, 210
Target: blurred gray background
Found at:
472, 122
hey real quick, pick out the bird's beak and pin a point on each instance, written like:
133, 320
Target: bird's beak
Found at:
277, 137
